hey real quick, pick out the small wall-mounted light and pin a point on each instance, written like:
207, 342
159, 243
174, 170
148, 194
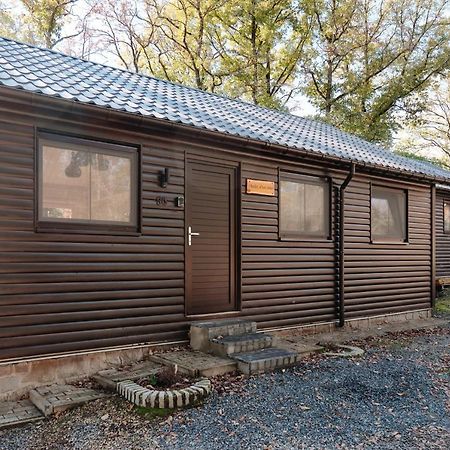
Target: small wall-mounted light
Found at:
179, 201
164, 177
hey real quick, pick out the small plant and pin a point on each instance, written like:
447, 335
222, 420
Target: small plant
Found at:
153, 380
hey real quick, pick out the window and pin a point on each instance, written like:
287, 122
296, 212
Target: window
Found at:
87, 183
446, 218
304, 206
388, 214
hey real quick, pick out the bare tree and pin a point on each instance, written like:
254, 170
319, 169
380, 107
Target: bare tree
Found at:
429, 124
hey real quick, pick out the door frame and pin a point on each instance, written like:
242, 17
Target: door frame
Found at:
214, 161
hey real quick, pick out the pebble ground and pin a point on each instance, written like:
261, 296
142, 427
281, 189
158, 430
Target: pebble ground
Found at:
396, 396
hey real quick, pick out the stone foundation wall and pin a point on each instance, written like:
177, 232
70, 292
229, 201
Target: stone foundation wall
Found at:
18, 378
356, 324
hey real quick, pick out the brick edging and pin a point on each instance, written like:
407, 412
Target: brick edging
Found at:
151, 398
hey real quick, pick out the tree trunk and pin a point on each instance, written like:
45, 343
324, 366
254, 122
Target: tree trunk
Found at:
254, 29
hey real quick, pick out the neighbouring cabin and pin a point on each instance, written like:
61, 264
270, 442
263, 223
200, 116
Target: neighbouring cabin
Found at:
118, 228
442, 230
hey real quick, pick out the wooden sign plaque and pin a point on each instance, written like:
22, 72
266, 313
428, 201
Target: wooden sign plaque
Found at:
260, 187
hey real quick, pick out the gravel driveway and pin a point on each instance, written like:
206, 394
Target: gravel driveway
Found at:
395, 397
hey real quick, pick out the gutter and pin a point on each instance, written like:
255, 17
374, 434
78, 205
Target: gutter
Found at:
443, 187
341, 247
433, 243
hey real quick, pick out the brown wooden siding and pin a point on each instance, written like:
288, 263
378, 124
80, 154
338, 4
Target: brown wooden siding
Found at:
382, 278
283, 282
63, 292
69, 292
442, 239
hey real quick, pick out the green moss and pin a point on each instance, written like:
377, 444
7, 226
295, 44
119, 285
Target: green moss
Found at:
442, 306
195, 404
151, 413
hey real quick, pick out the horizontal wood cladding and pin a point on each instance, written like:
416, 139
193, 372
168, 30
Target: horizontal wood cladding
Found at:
386, 278
283, 282
65, 292
442, 239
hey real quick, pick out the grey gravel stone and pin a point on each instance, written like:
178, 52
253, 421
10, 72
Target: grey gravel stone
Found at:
394, 397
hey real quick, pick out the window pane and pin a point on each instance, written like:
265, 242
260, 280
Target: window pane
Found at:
86, 186
380, 216
304, 208
446, 217
388, 214
111, 188
292, 196
315, 221
65, 184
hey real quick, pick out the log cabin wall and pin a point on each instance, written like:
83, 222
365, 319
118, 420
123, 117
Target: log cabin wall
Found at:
386, 278
442, 239
69, 292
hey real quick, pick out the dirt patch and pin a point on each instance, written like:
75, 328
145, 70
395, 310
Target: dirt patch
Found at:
168, 378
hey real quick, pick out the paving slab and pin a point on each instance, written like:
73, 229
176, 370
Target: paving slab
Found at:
19, 412
264, 360
196, 363
299, 346
60, 397
340, 336
108, 378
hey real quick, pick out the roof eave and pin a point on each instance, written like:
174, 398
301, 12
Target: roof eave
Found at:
278, 148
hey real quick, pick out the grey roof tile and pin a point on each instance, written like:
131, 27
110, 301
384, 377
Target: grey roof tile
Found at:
53, 74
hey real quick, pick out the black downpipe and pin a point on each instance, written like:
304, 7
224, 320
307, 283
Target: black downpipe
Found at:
341, 240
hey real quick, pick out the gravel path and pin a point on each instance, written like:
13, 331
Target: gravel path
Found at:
395, 397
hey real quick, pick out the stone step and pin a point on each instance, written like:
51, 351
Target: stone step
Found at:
264, 360
108, 378
17, 413
196, 364
229, 345
202, 332
57, 398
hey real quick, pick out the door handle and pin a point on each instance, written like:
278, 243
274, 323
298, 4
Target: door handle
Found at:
190, 234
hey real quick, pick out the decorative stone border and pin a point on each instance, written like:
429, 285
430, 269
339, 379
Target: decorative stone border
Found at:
150, 398
350, 351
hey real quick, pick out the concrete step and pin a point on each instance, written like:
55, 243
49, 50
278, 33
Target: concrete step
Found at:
229, 345
264, 360
202, 332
